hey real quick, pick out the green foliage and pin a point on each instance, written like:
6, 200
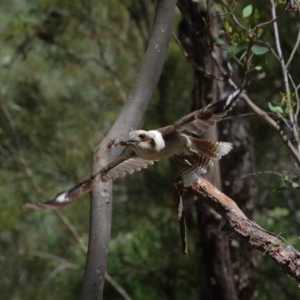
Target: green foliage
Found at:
276, 109
247, 11
243, 36
66, 69
249, 42
282, 106
62, 85
259, 50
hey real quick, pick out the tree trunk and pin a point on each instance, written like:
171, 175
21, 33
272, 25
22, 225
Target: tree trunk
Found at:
229, 265
130, 116
233, 168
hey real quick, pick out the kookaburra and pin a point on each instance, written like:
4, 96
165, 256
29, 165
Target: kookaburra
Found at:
191, 155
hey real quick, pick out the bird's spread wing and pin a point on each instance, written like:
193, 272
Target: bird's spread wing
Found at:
199, 121
129, 166
124, 164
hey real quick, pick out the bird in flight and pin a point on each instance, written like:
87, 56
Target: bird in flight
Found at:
179, 141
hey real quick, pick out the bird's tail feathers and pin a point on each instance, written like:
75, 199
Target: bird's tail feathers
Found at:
211, 149
224, 149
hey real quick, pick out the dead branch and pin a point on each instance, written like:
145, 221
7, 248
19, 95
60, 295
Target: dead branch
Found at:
237, 222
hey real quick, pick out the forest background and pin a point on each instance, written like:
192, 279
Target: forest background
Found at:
66, 71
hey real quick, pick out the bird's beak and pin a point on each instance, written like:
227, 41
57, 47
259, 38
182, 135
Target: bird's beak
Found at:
128, 141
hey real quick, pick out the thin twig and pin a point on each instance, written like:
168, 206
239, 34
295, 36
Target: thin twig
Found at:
296, 88
284, 71
194, 64
263, 115
259, 173
296, 46
119, 289
62, 217
61, 265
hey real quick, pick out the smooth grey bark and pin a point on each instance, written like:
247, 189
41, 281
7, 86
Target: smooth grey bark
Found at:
130, 117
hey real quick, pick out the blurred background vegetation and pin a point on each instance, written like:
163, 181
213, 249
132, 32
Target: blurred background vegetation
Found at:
65, 71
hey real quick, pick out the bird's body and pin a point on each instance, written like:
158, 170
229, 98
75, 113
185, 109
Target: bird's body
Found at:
191, 155
151, 145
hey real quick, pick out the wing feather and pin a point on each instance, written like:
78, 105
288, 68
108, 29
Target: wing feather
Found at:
211, 149
121, 166
129, 166
203, 154
199, 121
215, 112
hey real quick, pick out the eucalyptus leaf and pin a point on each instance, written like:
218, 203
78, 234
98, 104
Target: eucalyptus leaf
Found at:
276, 109
259, 50
247, 11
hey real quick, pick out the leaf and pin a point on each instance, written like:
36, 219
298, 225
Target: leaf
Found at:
259, 50
276, 109
247, 11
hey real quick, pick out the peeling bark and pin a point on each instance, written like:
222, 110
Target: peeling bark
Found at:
237, 223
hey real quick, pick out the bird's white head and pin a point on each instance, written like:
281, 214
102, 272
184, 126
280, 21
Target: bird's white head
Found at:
148, 140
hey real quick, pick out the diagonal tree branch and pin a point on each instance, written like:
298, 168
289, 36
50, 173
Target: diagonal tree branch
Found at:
130, 117
237, 222
264, 116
